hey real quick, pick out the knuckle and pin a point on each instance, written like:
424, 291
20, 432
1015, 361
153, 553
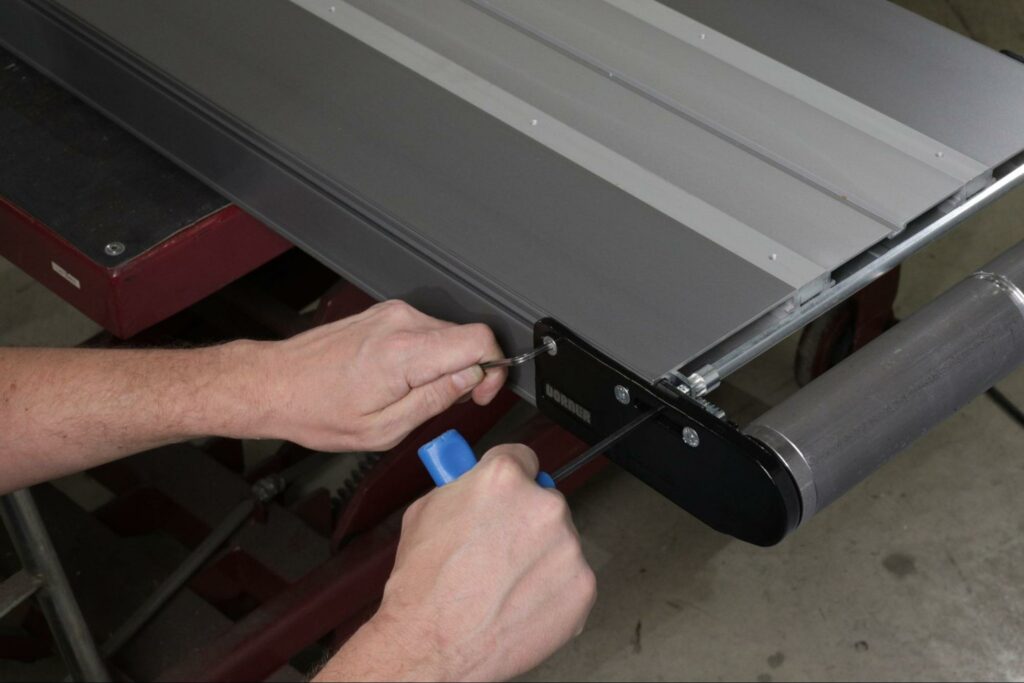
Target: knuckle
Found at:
504, 471
386, 306
412, 513
396, 310
551, 507
587, 581
392, 305
480, 334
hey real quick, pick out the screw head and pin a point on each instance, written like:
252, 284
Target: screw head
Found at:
622, 395
690, 437
114, 249
551, 344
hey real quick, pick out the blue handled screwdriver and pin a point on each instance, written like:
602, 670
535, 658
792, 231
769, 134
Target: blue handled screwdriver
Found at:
450, 456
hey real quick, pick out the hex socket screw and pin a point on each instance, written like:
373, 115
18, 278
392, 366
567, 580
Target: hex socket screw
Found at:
114, 249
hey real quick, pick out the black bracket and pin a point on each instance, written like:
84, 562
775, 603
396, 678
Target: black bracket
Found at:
724, 478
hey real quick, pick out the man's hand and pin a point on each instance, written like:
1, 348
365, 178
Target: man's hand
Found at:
362, 383
365, 382
490, 580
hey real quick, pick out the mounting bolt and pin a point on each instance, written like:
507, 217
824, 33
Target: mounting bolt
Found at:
622, 395
690, 437
268, 488
114, 249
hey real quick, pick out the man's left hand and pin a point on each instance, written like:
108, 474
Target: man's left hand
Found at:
365, 382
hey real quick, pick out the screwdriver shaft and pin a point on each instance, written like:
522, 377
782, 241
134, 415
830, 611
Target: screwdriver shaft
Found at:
603, 445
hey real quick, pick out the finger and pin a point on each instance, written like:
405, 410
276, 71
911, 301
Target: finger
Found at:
448, 350
432, 399
522, 455
485, 392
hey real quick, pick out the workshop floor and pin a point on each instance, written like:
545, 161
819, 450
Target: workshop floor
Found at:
917, 574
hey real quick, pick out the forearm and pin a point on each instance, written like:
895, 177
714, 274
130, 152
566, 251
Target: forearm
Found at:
362, 383
384, 650
64, 410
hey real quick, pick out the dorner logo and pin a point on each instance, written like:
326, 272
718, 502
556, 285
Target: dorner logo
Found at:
567, 403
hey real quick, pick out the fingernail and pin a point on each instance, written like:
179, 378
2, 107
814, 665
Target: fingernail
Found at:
468, 378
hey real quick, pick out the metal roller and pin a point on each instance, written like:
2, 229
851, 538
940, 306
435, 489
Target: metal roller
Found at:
846, 424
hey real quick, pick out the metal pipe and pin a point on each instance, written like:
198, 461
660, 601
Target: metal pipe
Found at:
264, 491
16, 590
882, 259
844, 425
56, 600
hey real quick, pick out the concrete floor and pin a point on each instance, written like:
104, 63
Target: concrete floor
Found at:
917, 574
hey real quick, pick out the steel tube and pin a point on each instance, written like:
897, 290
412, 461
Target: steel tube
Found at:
851, 420
57, 602
264, 491
177, 580
16, 590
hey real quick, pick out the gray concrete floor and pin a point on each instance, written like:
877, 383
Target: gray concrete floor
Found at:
916, 575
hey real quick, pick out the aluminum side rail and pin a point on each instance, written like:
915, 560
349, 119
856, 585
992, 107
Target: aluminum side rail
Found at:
706, 373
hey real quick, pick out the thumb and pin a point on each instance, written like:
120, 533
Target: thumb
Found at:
433, 398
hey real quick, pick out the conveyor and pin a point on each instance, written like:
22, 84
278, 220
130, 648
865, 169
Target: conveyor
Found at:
667, 189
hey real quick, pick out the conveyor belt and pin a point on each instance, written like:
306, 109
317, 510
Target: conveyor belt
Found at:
636, 173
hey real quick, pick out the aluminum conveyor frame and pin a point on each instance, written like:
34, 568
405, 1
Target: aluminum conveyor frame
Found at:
669, 187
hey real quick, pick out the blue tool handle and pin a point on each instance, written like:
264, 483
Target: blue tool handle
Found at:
450, 456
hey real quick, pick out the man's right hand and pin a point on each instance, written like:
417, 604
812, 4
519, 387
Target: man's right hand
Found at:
490, 580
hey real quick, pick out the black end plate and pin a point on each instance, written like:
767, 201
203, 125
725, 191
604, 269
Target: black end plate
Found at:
727, 480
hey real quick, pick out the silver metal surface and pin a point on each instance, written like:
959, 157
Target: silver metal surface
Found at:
923, 75
844, 425
622, 395
690, 437
1005, 284
722, 75
56, 601
479, 161
549, 346
505, 231
612, 114
740, 350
